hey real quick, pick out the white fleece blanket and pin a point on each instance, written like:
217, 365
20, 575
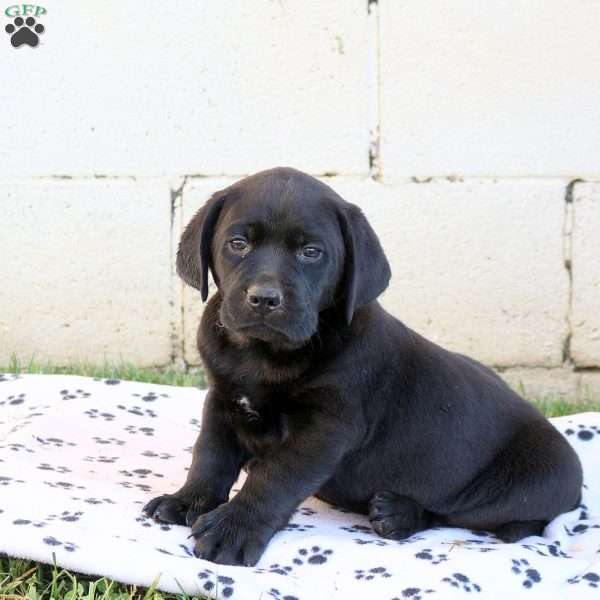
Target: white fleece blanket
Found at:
79, 457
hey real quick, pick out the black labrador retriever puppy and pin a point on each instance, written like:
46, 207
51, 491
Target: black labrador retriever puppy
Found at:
316, 389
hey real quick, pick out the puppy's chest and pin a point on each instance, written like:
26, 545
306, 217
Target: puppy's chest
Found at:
258, 420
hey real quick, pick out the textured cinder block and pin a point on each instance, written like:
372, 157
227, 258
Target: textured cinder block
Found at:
86, 272
585, 343
207, 88
477, 266
487, 88
540, 383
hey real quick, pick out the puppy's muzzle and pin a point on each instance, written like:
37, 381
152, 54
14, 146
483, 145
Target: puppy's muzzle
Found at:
264, 300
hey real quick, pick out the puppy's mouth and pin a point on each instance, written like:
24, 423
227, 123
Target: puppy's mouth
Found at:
263, 331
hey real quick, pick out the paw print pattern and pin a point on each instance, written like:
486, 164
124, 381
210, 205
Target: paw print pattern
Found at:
77, 394
435, 559
542, 549
150, 396
9, 377
66, 516
38, 524
140, 486
101, 459
13, 400
56, 468
4, 480
68, 546
109, 441
299, 527
149, 431
109, 381
371, 573
148, 522
212, 580
55, 442
590, 578
94, 413
18, 448
275, 568
93, 501
137, 410
375, 542
65, 485
275, 593
140, 473
414, 593
522, 567
584, 432
580, 528
305, 511
357, 529
461, 581
314, 556
161, 455
24, 32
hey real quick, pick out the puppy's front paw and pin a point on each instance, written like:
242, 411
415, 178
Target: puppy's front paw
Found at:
228, 535
173, 508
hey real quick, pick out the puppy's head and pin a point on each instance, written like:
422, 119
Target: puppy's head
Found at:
282, 247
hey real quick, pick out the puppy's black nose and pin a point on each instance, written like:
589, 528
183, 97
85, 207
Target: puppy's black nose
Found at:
264, 299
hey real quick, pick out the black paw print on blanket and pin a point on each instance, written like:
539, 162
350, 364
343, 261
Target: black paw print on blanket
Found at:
38, 524
68, 546
275, 568
542, 549
590, 578
5, 480
522, 567
8, 377
74, 395
461, 581
580, 528
275, 593
299, 527
150, 396
13, 400
314, 556
66, 516
435, 559
222, 585
94, 413
368, 575
137, 410
55, 442
584, 432
414, 593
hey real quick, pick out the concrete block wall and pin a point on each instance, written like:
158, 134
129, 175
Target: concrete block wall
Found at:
468, 134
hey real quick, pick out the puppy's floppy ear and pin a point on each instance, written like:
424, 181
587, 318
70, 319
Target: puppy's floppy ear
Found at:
366, 269
194, 257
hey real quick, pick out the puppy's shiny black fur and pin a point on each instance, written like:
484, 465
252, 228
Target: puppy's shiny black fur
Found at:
318, 390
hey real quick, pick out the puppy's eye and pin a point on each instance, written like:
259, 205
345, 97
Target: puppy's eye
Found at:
238, 244
311, 253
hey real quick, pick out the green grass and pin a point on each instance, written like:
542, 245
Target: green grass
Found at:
22, 579
165, 376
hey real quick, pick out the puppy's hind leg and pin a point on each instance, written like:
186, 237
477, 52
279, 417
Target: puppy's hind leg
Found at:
397, 517
517, 530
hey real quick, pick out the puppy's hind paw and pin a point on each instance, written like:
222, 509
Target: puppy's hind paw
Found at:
396, 517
